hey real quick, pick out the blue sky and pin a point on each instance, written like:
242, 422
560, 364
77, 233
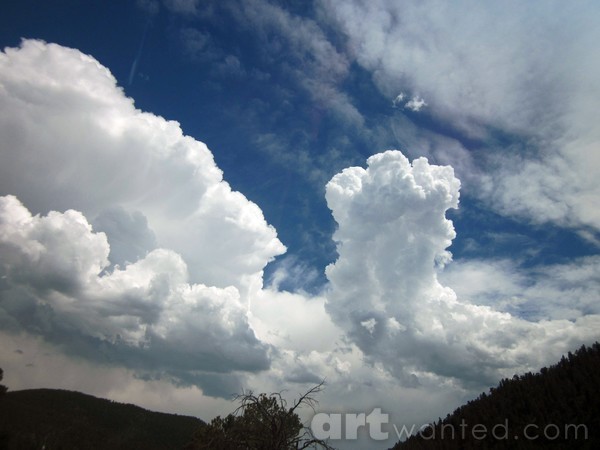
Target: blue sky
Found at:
188, 205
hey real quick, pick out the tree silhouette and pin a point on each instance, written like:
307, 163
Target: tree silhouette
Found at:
3, 388
563, 398
261, 422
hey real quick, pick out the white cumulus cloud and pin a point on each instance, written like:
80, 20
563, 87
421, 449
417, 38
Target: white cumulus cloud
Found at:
73, 140
384, 292
415, 104
121, 243
162, 281
146, 316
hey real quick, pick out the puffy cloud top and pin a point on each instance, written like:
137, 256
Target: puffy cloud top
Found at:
145, 316
384, 291
392, 227
162, 281
71, 139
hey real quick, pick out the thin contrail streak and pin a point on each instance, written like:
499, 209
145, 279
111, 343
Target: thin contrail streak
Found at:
133, 70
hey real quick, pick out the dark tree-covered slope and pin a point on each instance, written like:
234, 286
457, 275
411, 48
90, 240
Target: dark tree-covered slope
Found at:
56, 419
554, 408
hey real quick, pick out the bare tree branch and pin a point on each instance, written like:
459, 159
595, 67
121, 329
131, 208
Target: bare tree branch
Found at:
262, 422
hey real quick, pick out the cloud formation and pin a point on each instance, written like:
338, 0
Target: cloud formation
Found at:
549, 292
392, 241
162, 283
526, 70
74, 141
145, 316
121, 243
312, 61
415, 104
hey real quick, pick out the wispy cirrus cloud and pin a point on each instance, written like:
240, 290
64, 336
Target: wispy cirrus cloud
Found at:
185, 7
309, 57
566, 290
522, 70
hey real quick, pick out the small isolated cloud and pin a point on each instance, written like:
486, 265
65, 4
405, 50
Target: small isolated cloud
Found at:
415, 104
370, 324
398, 100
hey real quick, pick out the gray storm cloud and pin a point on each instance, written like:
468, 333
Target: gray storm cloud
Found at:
146, 316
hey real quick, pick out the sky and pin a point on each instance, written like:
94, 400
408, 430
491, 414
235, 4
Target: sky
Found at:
201, 197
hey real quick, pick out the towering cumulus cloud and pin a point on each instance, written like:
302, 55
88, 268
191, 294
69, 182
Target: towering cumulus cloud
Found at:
72, 139
121, 243
120, 240
384, 291
392, 227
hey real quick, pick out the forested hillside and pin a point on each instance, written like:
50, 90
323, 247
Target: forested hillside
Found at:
56, 419
559, 407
